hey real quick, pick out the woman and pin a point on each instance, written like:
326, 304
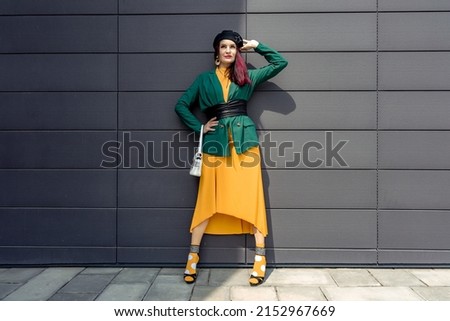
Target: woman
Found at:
230, 196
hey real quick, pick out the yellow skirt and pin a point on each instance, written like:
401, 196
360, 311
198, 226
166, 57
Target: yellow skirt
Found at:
231, 194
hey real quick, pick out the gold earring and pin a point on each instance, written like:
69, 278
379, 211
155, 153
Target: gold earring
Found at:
217, 61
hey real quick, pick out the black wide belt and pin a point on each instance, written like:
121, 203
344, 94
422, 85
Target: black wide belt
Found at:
228, 109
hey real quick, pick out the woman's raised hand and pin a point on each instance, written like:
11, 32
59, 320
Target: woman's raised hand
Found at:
209, 126
249, 44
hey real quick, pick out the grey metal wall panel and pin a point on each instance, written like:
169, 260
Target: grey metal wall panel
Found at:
414, 31
161, 72
16, 7
414, 71
149, 110
323, 71
57, 255
413, 257
58, 72
321, 188
413, 189
174, 33
57, 227
53, 149
310, 5
58, 34
414, 230
155, 149
414, 110
317, 257
414, 150
63, 188
293, 150
157, 188
315, 32
314, 110
58, 110
330, 229
185, 6
413, 5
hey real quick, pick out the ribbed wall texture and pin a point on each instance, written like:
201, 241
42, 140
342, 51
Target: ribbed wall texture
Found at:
355, 132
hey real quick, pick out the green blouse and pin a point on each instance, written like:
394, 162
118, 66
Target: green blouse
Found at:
206, 91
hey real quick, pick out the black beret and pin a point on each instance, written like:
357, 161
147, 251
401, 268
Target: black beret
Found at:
229, 35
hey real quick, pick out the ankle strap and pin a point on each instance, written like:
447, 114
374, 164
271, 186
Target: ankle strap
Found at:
194, 248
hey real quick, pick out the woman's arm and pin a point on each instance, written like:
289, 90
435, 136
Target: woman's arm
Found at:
276, 62
184, 105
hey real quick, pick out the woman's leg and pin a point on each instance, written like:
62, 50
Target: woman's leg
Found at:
190, 273
259, 266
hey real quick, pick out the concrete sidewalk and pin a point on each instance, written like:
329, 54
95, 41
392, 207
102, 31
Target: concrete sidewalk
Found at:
282, 284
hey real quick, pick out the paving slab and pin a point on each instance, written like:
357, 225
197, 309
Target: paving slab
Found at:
300, 293
136, 275
248, 293
124, 292
44, 285
352, 277
395, 277
371, 294
229, 277
19, 275
99, 270
7, 288
73, 297
434, 293
294, 276
433, 277
87, 283
210, 293
169, 288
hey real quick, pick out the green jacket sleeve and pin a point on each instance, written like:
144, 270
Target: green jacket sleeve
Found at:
184, 105
276, 64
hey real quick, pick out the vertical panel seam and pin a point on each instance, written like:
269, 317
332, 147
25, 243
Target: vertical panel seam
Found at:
117, 129
377, 155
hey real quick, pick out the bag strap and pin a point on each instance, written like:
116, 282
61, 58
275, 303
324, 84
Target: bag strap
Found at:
200, 142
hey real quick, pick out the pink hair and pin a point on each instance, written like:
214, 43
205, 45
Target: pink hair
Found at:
238, 70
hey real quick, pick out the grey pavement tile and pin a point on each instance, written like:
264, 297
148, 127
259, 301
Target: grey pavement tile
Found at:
7, 288
19, 275
124, 292
101, 270
136, 275
73, 297
435, 293
87, 283
169, 288
353, 277
44, 285
433, 277
248, 293
300, 293
171, 271
371, 294
210, 293
395, 277
229, 277
296, 276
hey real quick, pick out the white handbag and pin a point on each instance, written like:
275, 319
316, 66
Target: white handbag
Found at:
196, 167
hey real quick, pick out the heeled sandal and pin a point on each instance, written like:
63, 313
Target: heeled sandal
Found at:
259, 267
190, 273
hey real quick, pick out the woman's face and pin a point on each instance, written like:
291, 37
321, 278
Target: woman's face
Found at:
227, 52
